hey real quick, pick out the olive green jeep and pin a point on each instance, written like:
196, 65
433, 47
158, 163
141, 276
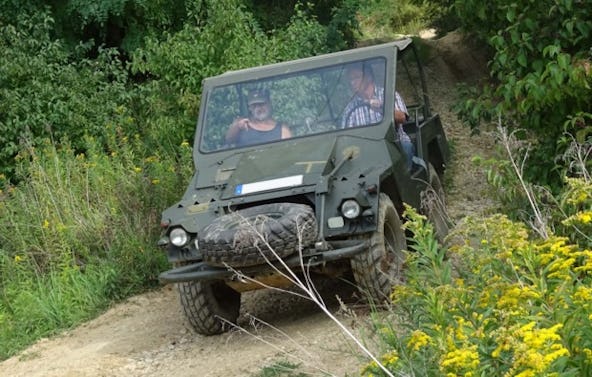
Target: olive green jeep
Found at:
317, 192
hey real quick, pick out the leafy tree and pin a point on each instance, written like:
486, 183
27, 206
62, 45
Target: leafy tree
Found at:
540, 69
230, 38
339, 17
45, 94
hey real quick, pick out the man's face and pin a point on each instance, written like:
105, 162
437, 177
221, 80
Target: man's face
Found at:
357, 81
261, 111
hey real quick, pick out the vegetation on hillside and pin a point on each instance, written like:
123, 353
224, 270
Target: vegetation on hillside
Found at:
503, 299
541, 75
98, 101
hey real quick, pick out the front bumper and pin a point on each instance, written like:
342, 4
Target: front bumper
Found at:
310, 257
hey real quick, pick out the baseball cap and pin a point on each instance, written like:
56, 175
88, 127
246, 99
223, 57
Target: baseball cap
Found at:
258, 96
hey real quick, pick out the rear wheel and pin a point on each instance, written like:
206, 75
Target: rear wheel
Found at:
381, 266
209, 306
433, 205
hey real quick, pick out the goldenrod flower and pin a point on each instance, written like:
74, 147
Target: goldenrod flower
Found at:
461, 360
584, 217
418, 340
390, 358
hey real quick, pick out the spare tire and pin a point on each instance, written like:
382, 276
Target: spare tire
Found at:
258, 234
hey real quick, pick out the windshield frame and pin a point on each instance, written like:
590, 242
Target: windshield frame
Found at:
385, 52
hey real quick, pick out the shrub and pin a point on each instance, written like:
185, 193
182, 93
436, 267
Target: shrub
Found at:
45, 93
513, 306
540, 72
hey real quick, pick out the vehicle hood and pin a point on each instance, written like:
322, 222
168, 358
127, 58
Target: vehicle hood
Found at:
279, 166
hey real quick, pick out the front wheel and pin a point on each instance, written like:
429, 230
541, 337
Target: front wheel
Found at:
381, 266
209, 306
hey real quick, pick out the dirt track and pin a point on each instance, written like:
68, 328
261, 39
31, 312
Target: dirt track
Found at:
146, 334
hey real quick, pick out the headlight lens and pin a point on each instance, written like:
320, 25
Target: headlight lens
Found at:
179, 237
350, 209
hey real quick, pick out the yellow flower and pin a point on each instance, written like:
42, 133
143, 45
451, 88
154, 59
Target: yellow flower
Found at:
155, 181
17, 258
459, 360
585, 217
137, 169
184, 144
45, 224
418, 340
390, 358
582, 295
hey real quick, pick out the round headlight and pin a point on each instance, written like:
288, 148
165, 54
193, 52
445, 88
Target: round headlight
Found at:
350, 209
179, 237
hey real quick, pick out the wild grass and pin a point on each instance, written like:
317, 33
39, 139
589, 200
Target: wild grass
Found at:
77, 232
392, 19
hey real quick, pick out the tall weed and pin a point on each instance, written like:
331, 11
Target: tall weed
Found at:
502, 300
79, 231
514, 306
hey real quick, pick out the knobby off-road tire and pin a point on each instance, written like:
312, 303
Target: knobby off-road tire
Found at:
241, 238
205, 302
433, 206
380, 267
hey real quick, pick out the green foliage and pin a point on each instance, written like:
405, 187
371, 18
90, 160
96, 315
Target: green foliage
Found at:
513, 306
567, 211
116, 23
575, 206
43, 93
230, 39
541, 68
344, 25
390, 18
281, 369
79, 231
338, 17
444, 18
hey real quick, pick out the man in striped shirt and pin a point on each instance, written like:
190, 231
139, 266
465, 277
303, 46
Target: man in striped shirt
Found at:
367, 106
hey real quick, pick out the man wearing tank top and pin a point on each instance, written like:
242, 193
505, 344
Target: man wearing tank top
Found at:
259, 127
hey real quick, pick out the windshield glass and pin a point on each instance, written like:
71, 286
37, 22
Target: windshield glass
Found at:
298, 104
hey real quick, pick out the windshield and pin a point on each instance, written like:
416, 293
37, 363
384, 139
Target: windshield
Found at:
298, 104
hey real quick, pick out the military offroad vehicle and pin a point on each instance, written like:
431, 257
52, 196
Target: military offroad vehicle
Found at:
327, 200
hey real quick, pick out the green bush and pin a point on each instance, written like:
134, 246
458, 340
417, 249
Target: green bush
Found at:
44, 93
541, 75
500, 304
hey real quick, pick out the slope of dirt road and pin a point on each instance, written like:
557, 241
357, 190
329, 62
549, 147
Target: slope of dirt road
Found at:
146, 334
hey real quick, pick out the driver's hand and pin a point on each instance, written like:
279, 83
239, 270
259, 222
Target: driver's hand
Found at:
242, 123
